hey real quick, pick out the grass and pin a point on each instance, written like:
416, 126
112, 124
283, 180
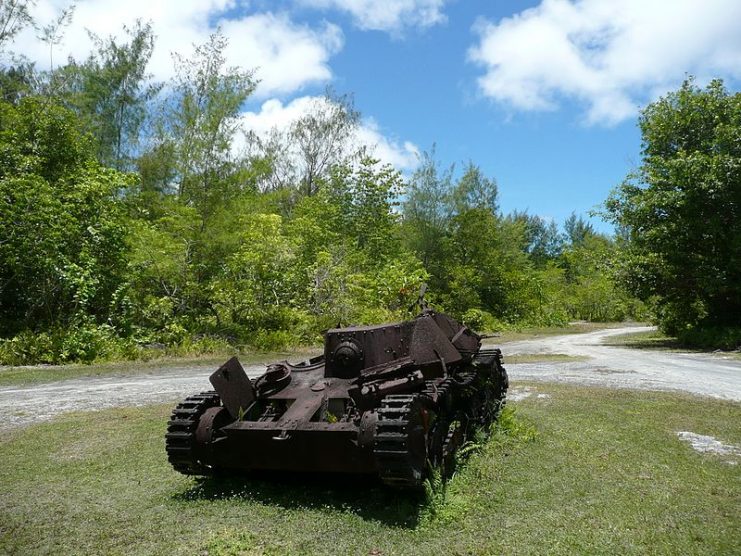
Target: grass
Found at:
540, 332
659, 341
646, 340
544, 358
605, 474
24, 376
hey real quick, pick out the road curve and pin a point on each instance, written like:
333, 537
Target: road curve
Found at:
698, 373
619, 367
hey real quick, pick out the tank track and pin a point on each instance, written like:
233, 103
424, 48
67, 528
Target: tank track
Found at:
396, 462
400, 464
494, 391
447, 432
457, 403
180, 439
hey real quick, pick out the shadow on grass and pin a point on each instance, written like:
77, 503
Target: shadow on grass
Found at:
656, 343
362, 495
665, 344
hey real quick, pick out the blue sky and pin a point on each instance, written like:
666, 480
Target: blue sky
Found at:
543, 96
421, 88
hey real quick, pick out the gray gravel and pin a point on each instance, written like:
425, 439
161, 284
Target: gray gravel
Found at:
708, 375
29, 404
712, 375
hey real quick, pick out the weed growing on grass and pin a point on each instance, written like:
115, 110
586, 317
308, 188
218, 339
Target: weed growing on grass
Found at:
509, 428
239, 542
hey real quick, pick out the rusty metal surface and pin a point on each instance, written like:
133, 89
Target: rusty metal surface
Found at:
235, 389
382, 400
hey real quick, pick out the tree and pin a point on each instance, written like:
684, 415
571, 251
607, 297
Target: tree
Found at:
322, 137
110, 92
682, 209
543, 242
475, 191
366, 194
53, 32
14, 16
201, 121
17, 81
577, 229
62, 242
427, 213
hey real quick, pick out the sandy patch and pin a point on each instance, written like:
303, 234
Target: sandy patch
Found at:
517, 394
710, 445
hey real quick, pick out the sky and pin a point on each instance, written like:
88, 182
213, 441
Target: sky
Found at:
543, 96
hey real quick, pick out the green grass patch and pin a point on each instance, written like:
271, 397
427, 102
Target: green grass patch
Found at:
22, 376
585, 470
540, 332
659, 341
652, 339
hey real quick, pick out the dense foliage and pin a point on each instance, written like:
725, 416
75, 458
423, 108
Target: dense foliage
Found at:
681, 212
136, 215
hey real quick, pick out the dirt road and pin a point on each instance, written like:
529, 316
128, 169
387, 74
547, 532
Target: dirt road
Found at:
697, 373
607, 366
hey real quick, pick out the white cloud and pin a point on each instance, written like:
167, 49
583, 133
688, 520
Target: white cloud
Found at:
611, 55
386, 15
287, 55
274, 114
402, 155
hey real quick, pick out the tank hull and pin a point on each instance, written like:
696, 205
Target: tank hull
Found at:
391, 401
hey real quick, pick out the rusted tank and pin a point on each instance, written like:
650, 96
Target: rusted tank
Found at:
392, 400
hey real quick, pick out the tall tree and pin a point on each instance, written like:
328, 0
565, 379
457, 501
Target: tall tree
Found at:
682, 208
475, 190
111, 90
577, 229
543, 242
201, 122
17, 81
323, 137
14, 16
427, 211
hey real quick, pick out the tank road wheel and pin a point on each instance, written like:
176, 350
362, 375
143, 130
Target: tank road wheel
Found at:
491, 390
454, 437
446, 436
184, 430
446, 433
401, 441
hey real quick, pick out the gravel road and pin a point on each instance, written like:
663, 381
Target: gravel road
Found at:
712, 375
708, 375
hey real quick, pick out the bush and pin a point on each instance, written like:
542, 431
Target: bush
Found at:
480, 320
86, 342
711, 338
273, 340
27, 348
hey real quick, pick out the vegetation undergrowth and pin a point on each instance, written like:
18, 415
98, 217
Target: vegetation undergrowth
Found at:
713, 337
605, 474
508, 428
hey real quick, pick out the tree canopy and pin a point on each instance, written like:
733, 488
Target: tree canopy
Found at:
136, 213
681, 210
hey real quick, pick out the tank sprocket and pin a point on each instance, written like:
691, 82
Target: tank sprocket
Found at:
180, 440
